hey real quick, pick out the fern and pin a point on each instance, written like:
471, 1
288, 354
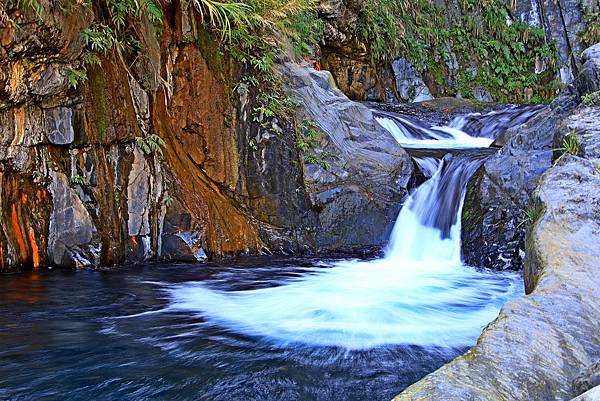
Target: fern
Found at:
76, 180
591, 99
35, 5
99, 38
150, 144
221, 14
74, 77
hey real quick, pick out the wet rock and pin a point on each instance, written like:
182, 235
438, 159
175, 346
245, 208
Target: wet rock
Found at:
180, 239
409, 85
588, 80
482, 94
438, 111
51, 81
497, 204
138, 196
563, 21
363, 174
494, 218
543, 346
72, 237
59, 128
24, 217
591, 395
588, 379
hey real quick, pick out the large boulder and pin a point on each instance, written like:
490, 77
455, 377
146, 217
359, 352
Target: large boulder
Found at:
544, 345
494, 216
588, 80
497, 205
359, 179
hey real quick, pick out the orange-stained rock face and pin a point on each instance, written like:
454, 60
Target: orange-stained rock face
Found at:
188, 199
156, 155
24, 219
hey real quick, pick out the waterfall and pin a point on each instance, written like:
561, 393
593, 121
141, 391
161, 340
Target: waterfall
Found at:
429, 220
418, 294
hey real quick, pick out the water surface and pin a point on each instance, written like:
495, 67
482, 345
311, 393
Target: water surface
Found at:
83, 335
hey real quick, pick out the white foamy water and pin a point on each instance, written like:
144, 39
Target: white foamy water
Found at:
419, 293
449, 137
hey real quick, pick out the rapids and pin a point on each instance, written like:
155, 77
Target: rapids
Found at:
419, 293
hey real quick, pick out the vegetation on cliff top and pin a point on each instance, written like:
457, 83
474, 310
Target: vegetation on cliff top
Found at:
476, 47
514, 62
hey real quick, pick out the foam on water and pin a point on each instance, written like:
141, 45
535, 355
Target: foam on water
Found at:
419, 293
448, 137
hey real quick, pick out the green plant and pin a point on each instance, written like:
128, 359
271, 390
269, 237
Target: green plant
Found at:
591, 99
168, 200
150, 144
532, 214
221, 14
35, 5
307, 136
597, 168
591, 18
307, 140
121, 10
502, 58
76, 180
305, 30
75, 76
270, 105
571, 144
315, 158
99, 38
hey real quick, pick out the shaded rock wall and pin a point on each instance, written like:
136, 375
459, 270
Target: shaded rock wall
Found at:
85, 179
494, 217
345, 54
359, 192
498, 203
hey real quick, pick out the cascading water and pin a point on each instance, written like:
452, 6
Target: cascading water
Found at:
419, 293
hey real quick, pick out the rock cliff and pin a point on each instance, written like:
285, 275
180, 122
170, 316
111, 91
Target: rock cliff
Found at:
505, 51
159, 154
544, 345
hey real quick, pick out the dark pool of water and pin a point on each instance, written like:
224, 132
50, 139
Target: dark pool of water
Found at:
64, 336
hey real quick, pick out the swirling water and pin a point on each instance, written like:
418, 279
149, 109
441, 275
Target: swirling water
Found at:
92, 335
260, 329
418, 294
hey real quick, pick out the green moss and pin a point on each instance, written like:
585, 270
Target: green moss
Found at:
211, 52
98, 100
